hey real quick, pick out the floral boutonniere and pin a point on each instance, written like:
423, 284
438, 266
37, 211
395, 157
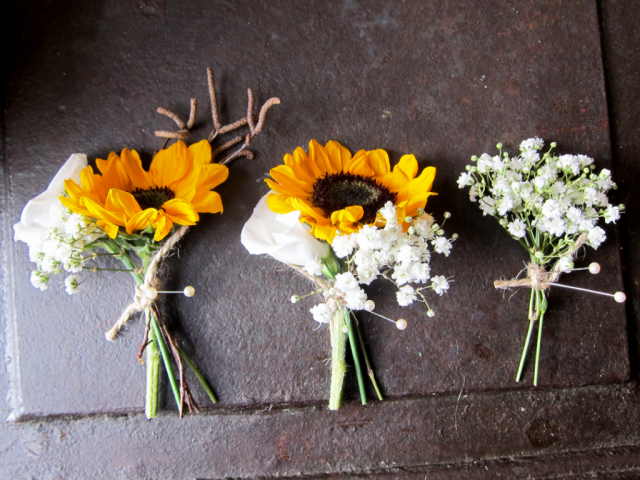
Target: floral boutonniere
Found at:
551, 205
343, 221
136, 216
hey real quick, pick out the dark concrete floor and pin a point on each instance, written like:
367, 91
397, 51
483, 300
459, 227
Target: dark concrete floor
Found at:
442, 81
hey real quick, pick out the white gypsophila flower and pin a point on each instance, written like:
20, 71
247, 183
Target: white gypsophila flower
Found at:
602, 200
565, 264
504, 205
49, 265
558, 188
530, 157
74, 265
532, 143
517, 228
552, 209
500, 187
39, 280
402, 275
556, 226
591, 196
574, 214
345, 281
569, 163
439, 284
420, 272
442, 245
35, 254
595, 237
498, 165
343, 245
355, 299
322, 313
539, 182
484, 163
408, 254
367, 274
388, 212
473, 193
369, 237
406, 295
487, 205
71, 284
517, 164
313, 267
465, 180
586, 161
611, 214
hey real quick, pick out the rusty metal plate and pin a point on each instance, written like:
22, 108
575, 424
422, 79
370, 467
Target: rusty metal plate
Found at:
443, 81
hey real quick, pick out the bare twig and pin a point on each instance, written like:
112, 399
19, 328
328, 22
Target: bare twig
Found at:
252, 126
240, 153
173, 116
224, 147
263, 114
192, 114
214, 102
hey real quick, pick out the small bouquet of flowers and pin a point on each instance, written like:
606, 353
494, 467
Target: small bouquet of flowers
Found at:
342, 221
551, 205
136, 216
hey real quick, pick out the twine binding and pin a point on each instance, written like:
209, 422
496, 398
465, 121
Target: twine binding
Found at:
143, 299
537, 277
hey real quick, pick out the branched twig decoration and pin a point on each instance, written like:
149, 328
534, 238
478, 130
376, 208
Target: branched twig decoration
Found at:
218, 128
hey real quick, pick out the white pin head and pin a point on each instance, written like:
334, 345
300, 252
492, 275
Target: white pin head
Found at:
150, 293
369, 305
594, 268
619, 297
189, 291
401, 324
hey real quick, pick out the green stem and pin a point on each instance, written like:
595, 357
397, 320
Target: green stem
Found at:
338, 364
198, 375
526, 343
542, 311
372, 376
354, 354
153, 367
165, 358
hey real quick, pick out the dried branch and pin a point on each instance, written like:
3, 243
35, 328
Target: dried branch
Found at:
173, 116
263, 114
192, 113
183, 133
241, 152
252, 126
214, 102
224, 147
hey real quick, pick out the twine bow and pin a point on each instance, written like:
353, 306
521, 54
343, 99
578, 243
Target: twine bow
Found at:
146, 294
537, 277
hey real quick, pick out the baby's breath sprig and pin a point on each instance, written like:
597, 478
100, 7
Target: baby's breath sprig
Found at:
551, 205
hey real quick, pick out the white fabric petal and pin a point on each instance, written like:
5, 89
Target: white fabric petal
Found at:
35, 218
282, 236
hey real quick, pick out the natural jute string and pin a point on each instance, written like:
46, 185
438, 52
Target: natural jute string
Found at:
144, 296
537, 277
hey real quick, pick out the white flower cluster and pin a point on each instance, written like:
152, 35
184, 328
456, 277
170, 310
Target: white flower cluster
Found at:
388, 252
544, 201
62, 249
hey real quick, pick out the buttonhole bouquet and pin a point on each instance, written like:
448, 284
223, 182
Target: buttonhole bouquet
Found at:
343, 221
551, 204
136, 216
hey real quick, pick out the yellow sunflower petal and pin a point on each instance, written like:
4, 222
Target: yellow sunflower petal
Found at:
286, 177
340, 156
207, 202
319, 155
101, 213
324, 232
379, 162
279, 203
408, 166
300, 166
212, 175
132, 165
113, 173
359, 165
141, 220
109, 228
180, 212
74, 205
171, 165
346, 218
301, 158
201, 153
418, 186
163, 225
119, 201
315, 215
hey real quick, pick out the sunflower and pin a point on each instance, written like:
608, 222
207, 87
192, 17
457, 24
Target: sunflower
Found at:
334, 190
175, 189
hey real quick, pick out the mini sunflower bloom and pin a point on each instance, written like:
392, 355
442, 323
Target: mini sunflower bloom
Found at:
176, 189
335, 191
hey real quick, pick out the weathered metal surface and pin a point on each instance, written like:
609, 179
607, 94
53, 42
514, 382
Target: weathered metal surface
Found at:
338, 70
441, 82
306, 441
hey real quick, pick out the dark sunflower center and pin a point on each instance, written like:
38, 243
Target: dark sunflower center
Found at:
340, 190
153, 198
